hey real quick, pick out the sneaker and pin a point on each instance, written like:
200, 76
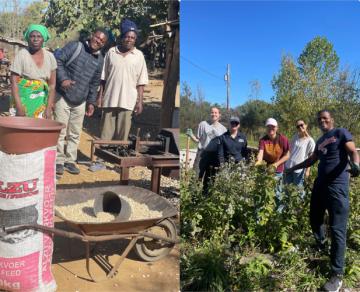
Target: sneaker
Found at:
59, 169
71, 168
334, 284
97, 166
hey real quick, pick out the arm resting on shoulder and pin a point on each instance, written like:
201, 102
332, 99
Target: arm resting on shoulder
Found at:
305, 164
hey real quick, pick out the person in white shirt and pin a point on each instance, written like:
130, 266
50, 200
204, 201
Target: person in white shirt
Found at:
124, 77
205, 133
301, 147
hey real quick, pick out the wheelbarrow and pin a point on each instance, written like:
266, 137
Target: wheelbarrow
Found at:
143, 234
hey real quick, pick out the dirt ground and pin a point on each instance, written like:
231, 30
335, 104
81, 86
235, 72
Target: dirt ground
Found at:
68, 266
133, 275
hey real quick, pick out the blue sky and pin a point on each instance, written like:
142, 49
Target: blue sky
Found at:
252, 36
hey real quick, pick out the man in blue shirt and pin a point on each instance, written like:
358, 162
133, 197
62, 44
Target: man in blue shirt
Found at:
331, 190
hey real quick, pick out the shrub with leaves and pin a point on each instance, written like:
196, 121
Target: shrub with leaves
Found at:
260, 241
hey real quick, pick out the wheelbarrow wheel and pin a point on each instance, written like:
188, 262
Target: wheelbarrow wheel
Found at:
151, 250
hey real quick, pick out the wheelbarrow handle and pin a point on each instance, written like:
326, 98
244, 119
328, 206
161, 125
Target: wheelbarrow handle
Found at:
7, 230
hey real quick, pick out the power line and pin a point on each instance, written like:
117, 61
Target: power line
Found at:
202, 69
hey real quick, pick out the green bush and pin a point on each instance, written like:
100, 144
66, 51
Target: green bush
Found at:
238, 238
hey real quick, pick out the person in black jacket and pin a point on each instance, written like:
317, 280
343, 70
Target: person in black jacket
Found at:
233, 143
77, 82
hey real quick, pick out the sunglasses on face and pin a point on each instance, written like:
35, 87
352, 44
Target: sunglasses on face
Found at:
234, 124
300, 126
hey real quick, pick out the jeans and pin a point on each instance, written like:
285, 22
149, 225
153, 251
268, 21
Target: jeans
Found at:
296, 178
335, 199
207, 169
278, 190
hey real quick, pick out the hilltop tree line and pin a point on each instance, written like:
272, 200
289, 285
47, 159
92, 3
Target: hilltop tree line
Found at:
302, 87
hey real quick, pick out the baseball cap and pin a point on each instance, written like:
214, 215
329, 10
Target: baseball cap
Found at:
234, 119
271, 122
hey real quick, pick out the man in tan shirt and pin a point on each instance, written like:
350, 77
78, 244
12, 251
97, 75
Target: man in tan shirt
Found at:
124, 77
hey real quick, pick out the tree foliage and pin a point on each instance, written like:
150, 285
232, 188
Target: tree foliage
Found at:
33, 13
347, 109
13, 24
68, 15
253, 115
194, 108
313, 83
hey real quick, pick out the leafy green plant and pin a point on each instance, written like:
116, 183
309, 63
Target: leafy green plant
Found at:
240, 229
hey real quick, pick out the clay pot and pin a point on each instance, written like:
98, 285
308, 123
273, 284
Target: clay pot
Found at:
20, 135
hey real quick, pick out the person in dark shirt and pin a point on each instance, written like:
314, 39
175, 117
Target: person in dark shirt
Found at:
331, 191
233, 143
78, 79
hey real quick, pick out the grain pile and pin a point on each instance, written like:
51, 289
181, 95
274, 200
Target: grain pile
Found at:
140, 211
84, 212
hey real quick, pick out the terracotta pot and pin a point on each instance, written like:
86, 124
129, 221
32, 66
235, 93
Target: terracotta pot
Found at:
20, 135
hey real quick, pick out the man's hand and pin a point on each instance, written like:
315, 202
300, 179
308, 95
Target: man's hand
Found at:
189, 133
66, 84
90, 110
354, 169
138, 108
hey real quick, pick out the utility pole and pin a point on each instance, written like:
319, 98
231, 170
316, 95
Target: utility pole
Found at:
227, 79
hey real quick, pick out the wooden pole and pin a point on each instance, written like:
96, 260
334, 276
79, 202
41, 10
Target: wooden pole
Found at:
187, 154
171, 77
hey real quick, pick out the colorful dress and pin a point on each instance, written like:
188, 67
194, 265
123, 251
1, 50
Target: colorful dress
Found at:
33, 81
33, 96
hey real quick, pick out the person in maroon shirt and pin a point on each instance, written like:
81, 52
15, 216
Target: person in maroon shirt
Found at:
274, 149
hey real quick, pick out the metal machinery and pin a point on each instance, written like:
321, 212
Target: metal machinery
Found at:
160, 155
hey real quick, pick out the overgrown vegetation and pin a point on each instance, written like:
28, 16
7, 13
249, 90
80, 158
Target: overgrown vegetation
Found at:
236, 239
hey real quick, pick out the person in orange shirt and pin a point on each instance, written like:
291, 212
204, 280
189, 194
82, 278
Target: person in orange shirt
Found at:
274, 149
